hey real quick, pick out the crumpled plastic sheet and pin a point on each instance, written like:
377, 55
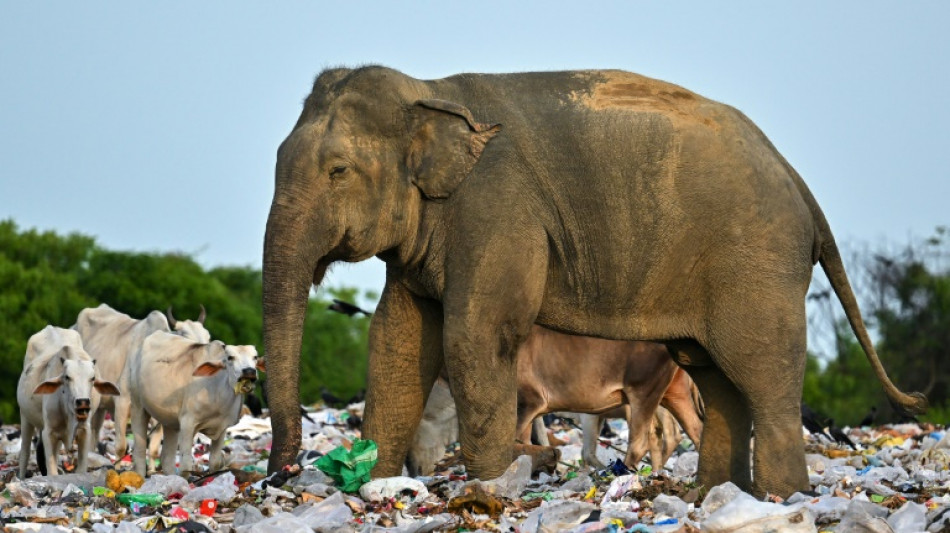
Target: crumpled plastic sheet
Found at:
221, 488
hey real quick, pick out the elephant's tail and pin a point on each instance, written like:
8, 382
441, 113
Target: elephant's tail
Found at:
830, 259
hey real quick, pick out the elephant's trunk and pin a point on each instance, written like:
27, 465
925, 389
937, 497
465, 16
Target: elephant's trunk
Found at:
291, 264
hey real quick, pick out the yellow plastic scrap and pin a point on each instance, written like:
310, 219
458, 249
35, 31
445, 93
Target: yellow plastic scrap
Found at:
118, 482
836, 454
888, 440
590, 493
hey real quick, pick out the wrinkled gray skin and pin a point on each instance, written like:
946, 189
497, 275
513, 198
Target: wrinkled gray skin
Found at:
598, 203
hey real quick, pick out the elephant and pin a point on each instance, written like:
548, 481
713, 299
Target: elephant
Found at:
600, 203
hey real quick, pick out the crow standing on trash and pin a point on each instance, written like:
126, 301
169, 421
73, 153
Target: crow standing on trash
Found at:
347, 308
810, 421
869, 419
839, 435
329, 399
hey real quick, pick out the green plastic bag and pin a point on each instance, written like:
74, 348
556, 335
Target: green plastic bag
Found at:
349, 468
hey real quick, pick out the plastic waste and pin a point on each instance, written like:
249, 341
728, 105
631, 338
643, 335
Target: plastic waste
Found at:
43, 484
309, 477
143, 498
279, 523
513, 482
720, 495
222, 488
620, 486
557, 516
665, 506
828, 508
581, 483
394, 487
316, 489
119, 482
165, 485
745, 514
910, 517
350, 468
246, 515
330, 514
686, 464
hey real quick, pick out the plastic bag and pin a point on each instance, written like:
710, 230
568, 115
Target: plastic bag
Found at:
557, 516
279, 523
350, 468
221, 489
665, 506
747, 514
910, 517
393, 487
331, 513
513, 482
165, 485
720, 495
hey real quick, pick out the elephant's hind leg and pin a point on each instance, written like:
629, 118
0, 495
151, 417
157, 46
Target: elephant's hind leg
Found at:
724, 449
768, 368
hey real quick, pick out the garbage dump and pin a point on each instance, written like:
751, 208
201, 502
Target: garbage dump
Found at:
896, 480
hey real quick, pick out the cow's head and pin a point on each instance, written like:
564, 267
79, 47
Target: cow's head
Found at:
77, 383
240, 362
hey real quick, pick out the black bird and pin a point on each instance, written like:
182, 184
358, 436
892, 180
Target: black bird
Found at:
869, 419
839, 435
347, 308
357, 398
254, 404
330, 400
810, 421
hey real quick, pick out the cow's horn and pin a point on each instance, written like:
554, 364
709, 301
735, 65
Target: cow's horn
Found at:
171, 317
202, 315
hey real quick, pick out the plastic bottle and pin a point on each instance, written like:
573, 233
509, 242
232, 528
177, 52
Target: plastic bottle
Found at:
143, 498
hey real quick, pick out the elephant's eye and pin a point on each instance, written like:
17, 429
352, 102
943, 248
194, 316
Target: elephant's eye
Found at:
337, 172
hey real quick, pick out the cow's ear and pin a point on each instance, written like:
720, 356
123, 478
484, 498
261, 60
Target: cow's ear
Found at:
48, 387
261, 366
446, 143
208, 369
106, 388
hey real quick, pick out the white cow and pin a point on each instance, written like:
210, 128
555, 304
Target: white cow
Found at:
110, 337
188, 387
55, 361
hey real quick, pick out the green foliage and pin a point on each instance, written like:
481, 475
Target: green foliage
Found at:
48, 279
846, 388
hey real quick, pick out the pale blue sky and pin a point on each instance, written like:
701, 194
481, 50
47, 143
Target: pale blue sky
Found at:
154, 126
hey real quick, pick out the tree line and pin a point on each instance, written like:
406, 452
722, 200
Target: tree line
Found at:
47, 278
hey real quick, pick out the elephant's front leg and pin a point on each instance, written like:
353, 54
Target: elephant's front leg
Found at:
490, 305
483, 375
405, 356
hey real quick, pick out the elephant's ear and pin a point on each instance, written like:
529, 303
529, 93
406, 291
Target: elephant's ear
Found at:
446, 144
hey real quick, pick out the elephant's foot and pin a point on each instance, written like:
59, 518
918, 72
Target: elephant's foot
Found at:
779, 458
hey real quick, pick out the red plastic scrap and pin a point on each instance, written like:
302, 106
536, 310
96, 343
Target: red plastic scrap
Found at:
208, 507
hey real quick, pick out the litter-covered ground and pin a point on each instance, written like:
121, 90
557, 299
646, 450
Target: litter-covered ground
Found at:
897, 480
